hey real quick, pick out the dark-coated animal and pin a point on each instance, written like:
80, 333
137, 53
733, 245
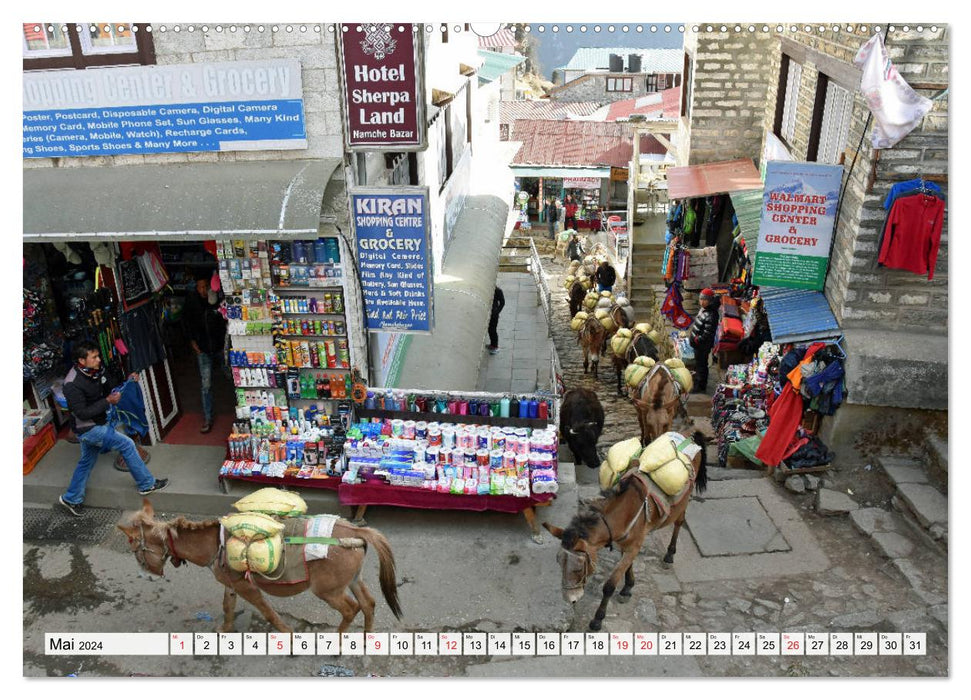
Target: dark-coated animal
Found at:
581, 422
623, 519
640, 346
577, 292
591, 338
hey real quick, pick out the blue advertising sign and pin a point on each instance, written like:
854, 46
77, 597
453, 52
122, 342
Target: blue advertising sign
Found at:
391, 230
245, 105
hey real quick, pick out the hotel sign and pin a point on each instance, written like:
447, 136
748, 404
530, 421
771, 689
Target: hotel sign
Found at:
383, 90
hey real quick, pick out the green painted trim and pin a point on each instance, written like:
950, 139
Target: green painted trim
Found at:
394, 372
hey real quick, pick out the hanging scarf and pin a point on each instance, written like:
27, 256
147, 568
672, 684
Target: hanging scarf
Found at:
673, 309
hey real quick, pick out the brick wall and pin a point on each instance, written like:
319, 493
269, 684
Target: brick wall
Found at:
863, 295
321, 91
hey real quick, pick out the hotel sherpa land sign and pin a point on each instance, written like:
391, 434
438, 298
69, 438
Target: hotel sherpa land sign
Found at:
384, 99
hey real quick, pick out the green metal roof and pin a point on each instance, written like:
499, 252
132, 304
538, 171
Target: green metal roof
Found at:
748, 210
495, 64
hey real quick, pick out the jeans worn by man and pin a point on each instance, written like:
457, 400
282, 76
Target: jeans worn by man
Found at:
206, 330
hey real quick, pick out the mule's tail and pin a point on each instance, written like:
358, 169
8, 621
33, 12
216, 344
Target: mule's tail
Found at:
701, 480
386, 572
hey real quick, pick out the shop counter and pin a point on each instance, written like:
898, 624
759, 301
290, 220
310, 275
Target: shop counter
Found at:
331, 482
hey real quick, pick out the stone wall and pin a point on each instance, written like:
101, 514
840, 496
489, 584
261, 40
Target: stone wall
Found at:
317, 54
593, 88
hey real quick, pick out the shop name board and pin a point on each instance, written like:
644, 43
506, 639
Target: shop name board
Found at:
238, 106
383, 92
798, 217
391, 231
581, 183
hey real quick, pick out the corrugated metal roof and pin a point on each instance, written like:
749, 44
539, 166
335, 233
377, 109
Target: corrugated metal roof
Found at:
584, 143
748, 211
666, 102
713, 178
494, 64
652, 60
500, 40
510, 111
798, 314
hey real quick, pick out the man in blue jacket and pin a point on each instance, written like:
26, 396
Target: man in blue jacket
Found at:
89, 394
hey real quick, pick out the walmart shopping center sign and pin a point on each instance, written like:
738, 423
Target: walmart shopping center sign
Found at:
238, 106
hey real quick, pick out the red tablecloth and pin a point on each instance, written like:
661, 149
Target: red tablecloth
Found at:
330, 482
376, 494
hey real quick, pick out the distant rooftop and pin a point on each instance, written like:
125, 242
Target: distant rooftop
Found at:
652, 60
502, 39
510, 111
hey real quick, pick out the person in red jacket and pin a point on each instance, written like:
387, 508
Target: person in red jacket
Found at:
570, 210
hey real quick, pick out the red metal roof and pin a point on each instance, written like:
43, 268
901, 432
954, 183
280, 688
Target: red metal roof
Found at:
578, 143
713, 178
666, 103
510, 111
502, 39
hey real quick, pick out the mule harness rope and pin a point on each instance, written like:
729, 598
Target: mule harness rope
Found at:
645, 509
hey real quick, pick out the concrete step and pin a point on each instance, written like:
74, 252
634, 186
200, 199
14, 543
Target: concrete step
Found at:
699, 406
927, 505
903, 470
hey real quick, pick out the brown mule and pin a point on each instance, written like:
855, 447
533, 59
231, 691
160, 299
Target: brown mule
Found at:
591, 339
623, 519
180, 540
657, 401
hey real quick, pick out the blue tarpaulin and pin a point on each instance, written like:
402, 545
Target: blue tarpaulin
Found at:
798, 314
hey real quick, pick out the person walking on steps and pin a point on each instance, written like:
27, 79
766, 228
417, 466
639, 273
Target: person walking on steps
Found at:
89, 395
605, 277
702, 336
498, 302
206, 330
574, 250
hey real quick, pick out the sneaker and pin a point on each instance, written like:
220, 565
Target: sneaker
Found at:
75, 509
206, 427
157, 486
493, 351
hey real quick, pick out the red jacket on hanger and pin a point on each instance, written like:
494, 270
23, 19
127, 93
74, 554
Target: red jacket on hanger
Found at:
912, 235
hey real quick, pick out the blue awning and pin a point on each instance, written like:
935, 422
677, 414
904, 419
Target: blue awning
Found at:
798, 314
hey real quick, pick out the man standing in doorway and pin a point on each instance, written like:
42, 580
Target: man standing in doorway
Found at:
552, 214
206, 330
89, 395
498, 302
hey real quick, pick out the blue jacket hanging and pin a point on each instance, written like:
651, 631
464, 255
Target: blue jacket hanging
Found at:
130, 410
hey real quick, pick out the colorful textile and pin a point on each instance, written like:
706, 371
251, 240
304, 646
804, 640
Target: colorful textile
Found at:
785, 416
912, 236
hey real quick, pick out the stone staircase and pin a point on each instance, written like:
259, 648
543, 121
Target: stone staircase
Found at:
515, 254
646, 274
918, 499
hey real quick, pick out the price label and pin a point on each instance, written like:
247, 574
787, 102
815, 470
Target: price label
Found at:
449, 644
841, 644
426, 644
230, 643
547, 644
621, 644
180, 644
767, 643
352, 644
571, 644
205, 643
278, 644
304, 644
743, 643
669, 643
598, 644
719, 644
523, 643
817, 644
865, 643
474, 643
695, 643
793, 644
402, 643
254, 644
500, 644
328, 644
376, 644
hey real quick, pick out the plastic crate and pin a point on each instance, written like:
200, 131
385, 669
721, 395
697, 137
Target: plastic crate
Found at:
37, 446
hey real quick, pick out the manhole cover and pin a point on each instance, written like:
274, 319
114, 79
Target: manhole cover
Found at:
728, 526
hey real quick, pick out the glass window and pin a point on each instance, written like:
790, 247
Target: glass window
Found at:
45, 39
835, 125
107, 37
788, 127
52, 46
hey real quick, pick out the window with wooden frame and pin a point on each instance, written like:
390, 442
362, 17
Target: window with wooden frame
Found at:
57, 45
787, 100
620, 84
832, 111
652, 83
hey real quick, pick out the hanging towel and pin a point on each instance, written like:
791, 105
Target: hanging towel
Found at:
896, 108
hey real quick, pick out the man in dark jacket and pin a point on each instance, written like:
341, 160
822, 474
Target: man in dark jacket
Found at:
206, 330
605, 276
89, 394
702, 338
552, 213
498, 302
574, 251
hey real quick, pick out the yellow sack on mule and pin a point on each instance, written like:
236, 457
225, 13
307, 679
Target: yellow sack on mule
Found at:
645, 361
618, 460
644, 328
671, 477
634, 375
674, 363
604, 303
668, 467
606, 320
272, 502
251, 526
683, 378
619, 344
568, 282
655, 337
576, 323
574, 266
263, 555
590, 301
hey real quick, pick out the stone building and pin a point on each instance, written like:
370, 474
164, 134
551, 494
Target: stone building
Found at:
766, 94
608, 75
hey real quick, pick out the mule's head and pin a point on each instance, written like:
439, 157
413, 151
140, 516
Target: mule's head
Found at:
655, 419
577, 559
145, 540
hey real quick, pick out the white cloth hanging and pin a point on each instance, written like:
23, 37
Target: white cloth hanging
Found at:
896, 108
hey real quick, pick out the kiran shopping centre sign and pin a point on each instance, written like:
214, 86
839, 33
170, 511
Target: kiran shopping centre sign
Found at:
237, 106
798, 216
383, 87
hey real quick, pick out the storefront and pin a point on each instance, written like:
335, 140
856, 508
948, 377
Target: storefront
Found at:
590, 188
